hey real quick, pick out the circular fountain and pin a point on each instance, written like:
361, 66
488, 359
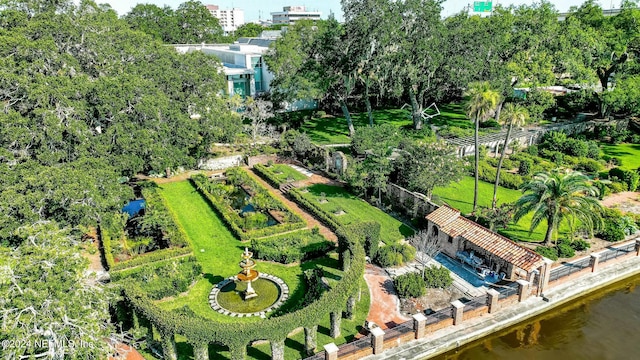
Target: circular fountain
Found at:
249, 293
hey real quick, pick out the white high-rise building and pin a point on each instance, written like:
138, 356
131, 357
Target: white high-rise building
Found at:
291, 14
230, 19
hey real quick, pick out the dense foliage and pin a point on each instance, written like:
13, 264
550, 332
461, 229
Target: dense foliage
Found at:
48, 296
410, 285
88, 100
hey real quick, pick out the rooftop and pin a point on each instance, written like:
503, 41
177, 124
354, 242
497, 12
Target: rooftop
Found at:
452, 223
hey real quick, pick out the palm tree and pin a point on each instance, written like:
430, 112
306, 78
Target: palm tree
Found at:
482, 100
513, 114
558, 196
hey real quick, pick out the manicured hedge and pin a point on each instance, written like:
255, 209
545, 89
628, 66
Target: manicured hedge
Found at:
105, 239
410, 285
268, 175
151, 257
291, 247
230, 217
326, 218
487, 173
162, 278
198, 330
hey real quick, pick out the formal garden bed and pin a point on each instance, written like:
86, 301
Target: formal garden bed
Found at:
247, 207
148, 236
216, 255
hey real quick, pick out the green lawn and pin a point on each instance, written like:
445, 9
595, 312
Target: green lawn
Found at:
333, 130
460, 196
220, 258
218, 251
284, 172
629, 154
357, 210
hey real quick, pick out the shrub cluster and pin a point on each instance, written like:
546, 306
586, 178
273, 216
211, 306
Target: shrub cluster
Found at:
616, 226
410, 285
565, 248
437, 277
395, 254
555, 142
414, 284
629, 177
291, 247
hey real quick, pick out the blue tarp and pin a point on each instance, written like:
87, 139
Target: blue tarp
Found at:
134, 207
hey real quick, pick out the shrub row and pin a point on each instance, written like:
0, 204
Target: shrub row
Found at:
154, 256
311, 206
268, 175
291, 247
198, 330
230, 217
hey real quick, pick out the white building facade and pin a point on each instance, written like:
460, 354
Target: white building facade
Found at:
244, 66
230, 19
291, 14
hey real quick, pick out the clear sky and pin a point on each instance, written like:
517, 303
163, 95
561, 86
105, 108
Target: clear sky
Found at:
253, 9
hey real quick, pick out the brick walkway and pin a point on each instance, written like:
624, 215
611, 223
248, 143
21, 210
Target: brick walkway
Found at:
385, 305
310, 220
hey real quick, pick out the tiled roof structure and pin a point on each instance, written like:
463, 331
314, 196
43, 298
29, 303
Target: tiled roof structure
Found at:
451, 223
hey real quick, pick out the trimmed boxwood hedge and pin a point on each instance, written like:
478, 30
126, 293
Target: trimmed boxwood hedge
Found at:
162, 278
198, 330
268, 175
228, 214
291, 247
326, 218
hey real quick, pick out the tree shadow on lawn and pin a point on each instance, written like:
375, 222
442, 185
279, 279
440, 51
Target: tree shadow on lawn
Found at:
213, 279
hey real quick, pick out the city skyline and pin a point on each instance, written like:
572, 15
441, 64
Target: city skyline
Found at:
259, 9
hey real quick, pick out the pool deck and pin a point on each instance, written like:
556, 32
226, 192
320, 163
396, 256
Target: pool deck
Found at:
452, 337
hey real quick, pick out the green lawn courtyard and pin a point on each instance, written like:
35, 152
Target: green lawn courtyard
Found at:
285, 172
218, 251
356, 210
333, 130
629, 154
460, 196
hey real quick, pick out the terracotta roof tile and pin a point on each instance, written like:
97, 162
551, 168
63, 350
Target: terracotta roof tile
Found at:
451, 223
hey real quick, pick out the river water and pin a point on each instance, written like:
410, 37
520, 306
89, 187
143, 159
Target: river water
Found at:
604, 325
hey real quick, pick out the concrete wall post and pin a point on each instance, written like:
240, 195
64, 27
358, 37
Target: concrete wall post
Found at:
523, 290
545, 274
458, 311
377, 340
637, 247
330, 352
335, 324
492, 300
595, 262
419, 325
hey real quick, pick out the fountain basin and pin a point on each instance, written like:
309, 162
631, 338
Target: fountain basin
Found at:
227, 296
